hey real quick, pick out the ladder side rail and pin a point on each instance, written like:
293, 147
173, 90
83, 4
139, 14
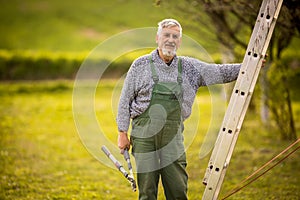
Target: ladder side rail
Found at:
228, 135
262, 8
231, 101
231, 117
259, 49
258, 68
272, 26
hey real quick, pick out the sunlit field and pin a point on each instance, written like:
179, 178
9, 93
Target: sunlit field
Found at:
51, 134
43, 157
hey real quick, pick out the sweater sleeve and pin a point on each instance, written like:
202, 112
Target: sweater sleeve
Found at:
211, 73
126, 98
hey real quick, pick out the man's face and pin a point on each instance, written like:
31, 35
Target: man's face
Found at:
169, 40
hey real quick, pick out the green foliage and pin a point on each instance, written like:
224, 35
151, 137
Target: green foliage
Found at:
42, 157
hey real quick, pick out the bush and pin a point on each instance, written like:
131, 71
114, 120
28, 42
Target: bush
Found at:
25, 65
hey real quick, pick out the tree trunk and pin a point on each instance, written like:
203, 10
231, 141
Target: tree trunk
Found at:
264, 110
279, 101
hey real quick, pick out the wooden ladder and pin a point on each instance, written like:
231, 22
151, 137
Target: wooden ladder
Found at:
240, 98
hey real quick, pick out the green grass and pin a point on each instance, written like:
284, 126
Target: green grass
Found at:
42, 156
64, 25
79, 26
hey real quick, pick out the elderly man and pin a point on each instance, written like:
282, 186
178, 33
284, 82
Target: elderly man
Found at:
157, 96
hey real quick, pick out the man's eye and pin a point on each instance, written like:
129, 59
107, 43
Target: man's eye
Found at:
167, 35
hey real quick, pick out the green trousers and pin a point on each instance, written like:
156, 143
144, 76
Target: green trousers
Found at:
162, 156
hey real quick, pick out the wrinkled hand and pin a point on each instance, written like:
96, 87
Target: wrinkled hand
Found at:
123, 141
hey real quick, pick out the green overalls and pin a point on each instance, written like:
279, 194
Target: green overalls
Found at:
157, 142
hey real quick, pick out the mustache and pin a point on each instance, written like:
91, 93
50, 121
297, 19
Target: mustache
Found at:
171, 44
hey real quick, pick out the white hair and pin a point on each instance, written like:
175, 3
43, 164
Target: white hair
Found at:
168, 23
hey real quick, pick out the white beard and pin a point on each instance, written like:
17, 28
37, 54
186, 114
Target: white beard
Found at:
168, 52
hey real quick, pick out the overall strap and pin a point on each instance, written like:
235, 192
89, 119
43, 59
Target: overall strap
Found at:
179, 77
154, 74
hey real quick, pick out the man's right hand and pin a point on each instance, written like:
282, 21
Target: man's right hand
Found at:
123, 141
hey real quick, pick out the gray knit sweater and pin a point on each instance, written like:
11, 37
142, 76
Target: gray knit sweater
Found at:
137, 89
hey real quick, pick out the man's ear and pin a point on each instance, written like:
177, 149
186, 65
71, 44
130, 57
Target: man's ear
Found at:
156, 39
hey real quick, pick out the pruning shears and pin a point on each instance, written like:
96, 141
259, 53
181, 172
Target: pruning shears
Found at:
129, 176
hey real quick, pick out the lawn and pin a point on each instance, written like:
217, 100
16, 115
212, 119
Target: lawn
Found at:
43, 157
77, 26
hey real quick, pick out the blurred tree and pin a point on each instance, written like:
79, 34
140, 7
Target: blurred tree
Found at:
233, 21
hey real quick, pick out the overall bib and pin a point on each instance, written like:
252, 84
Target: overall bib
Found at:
157, 142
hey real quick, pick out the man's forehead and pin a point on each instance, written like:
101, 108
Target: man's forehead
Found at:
171, 29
